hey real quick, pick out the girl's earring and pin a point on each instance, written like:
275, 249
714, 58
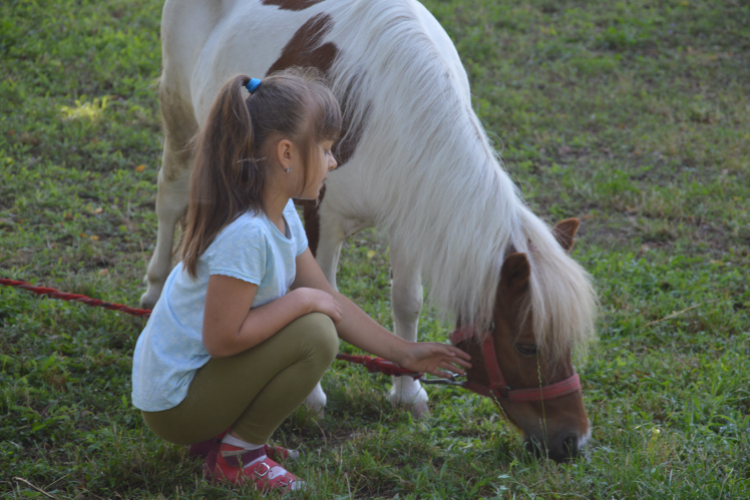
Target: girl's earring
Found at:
287, 170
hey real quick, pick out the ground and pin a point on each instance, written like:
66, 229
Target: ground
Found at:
633, 116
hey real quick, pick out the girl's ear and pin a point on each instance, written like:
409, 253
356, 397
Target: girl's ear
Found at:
285, 154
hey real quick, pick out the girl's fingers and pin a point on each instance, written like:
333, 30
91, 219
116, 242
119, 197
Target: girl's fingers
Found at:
337, 316
461, 362
457, 355
438, 359
453, 368
450, 350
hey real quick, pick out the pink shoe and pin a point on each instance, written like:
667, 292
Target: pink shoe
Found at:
238, 466
207, 450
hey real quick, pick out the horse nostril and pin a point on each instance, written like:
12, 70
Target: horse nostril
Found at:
564, 449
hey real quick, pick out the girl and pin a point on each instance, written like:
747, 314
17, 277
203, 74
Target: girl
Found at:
247, 323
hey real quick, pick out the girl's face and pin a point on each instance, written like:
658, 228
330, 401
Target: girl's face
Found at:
321, 162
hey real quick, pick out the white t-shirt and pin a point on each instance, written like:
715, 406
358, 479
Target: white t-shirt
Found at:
170, 348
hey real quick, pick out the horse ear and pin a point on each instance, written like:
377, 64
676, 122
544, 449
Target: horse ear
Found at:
565, 232
514, 276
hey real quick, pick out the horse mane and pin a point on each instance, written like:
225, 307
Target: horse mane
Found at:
462, 213
563, 302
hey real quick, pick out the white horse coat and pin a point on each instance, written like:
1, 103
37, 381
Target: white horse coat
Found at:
415, 160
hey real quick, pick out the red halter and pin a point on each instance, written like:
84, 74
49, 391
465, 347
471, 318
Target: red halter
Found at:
498, 387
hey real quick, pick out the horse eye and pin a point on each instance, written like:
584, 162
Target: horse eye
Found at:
526, 349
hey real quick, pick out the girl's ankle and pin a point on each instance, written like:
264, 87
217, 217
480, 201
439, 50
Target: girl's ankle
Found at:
236, 456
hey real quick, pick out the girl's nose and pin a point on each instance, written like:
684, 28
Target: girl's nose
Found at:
332, 163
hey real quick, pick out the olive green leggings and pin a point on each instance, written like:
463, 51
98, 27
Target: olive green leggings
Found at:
253, 391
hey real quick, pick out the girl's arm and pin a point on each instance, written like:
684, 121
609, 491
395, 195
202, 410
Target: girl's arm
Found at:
230, 326
357, 328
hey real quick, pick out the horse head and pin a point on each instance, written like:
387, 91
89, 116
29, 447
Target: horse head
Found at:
537, 392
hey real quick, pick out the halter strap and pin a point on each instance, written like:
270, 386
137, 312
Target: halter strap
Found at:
498, 387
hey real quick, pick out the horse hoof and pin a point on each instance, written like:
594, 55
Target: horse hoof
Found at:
148, 299
419, 410
153, 291
409, 393
316, 402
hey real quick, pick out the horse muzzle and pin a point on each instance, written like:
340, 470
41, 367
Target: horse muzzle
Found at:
564, 447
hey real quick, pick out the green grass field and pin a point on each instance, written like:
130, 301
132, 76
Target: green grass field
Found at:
633, 115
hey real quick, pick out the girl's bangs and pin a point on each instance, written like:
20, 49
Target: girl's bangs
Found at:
327, 119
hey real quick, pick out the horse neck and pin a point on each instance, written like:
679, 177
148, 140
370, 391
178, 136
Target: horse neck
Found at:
431, 174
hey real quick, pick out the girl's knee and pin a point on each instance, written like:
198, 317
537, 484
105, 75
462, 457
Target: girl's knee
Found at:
321, 336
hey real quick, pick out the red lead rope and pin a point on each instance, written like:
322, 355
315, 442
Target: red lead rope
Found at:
373, 365
379, 365
57, 294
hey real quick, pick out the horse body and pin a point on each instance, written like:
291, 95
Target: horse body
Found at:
414, 160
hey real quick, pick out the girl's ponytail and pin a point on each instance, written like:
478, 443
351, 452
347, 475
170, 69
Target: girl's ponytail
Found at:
230, 171
226, 178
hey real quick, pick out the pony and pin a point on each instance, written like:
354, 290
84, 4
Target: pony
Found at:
415, 161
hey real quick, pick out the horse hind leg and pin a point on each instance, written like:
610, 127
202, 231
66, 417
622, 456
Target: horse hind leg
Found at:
406, 302
179, 126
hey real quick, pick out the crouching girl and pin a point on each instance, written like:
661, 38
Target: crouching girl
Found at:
247, 323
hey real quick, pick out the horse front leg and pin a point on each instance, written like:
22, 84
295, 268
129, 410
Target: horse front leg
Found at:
331, 235
406, 302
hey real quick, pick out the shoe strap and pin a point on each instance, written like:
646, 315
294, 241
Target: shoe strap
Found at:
243, 458
279, 477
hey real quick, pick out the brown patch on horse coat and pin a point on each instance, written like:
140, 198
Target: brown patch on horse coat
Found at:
305, 50
312, 220
344, 149
292, 4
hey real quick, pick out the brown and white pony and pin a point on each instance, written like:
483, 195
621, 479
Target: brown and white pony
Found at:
414, 161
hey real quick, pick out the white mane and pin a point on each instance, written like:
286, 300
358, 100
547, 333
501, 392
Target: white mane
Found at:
462, 213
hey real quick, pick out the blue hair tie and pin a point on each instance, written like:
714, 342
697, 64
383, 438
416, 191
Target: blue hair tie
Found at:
252, 85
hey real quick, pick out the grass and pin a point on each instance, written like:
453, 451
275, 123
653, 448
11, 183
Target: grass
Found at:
633, 115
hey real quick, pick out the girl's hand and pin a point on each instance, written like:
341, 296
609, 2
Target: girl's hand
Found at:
322, 302
434, 358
